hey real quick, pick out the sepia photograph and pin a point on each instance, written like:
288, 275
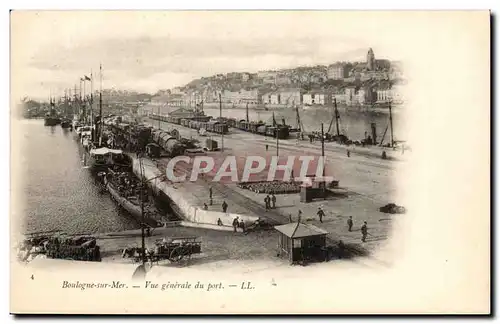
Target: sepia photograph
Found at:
245, 162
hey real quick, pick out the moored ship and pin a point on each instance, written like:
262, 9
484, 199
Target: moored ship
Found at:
51, 119
125, 190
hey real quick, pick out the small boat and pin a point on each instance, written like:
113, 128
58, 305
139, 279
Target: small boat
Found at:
51, 121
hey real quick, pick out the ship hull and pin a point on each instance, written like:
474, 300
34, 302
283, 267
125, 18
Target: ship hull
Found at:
51, 121
131, 208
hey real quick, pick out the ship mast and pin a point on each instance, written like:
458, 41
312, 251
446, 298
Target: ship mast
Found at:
100, 106
90, 100
390, 122
247, 114
336, 116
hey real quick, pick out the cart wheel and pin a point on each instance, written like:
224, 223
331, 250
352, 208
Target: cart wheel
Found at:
176, 254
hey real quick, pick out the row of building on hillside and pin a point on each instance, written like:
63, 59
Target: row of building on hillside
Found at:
349, 95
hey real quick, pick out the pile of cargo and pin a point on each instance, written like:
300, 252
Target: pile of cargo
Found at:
269, 187
392, 209
57, 246
83, 248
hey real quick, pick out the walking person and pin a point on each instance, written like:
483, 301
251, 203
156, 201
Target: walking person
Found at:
210, 195
349, 224
299, 216
224, 206
290, 218
364, 232
273, 199
320, 214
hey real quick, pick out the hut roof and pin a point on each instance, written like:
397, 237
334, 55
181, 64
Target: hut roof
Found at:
298, 230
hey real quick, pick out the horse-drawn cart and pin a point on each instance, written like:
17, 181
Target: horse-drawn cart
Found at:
172, 249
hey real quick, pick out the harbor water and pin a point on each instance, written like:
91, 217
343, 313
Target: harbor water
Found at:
58, 193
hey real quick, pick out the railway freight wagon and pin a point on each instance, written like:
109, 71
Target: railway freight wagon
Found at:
168, 143
281, 131
253, 126
216, 126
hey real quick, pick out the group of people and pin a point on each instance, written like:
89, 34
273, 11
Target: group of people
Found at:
238, 223
270, 201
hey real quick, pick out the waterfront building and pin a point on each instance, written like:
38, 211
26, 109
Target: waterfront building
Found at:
383, 94
290, 96
317, 98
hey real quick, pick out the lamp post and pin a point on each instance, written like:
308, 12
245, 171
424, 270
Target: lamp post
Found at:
143, 223
220, 112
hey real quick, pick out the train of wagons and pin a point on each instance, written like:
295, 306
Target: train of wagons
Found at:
222, 125
139, 136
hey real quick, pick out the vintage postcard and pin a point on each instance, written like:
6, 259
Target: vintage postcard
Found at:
250, 162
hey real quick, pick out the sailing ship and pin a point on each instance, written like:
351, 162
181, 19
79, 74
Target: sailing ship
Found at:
98, 157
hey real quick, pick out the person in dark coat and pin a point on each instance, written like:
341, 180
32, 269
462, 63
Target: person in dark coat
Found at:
273, 199
350, 223
267, 201
205, 207
364, 232
242, 225
210, 193
320, 214
235, 224
224, 206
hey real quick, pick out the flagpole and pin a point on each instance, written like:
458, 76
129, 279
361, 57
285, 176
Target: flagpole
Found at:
100, 105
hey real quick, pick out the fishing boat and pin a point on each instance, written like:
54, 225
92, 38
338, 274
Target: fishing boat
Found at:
51, 119
125, 190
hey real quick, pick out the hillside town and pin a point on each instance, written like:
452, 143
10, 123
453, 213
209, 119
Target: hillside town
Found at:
375, 82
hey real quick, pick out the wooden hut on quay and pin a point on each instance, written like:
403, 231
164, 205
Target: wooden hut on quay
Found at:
301, 242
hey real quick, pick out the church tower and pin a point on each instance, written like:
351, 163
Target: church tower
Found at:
370, 60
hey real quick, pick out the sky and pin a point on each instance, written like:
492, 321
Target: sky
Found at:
150, 50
